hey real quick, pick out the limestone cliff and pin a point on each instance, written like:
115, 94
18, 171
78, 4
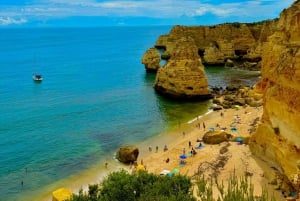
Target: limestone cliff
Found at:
277, 138
236, 41
183, 77
186, 48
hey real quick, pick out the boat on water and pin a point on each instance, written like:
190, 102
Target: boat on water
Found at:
37, 77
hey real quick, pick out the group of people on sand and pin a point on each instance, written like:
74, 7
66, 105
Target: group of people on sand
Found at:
156, 148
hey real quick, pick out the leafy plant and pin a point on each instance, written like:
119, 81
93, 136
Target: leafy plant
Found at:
141, 186
144, 186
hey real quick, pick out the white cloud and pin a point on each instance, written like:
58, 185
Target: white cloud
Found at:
146, 8
10, 21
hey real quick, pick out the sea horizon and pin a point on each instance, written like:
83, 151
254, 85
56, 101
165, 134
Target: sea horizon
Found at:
95, 97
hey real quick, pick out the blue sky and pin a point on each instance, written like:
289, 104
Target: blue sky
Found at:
72, 13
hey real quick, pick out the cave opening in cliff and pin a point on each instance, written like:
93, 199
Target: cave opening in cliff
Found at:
276, 131
240, 52
201, 52
163, 62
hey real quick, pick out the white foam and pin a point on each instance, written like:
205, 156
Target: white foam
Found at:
199, 117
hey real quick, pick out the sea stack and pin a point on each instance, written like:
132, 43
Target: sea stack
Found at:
183, 76
151, 60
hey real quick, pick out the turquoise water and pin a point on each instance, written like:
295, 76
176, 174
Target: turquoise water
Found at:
95, 97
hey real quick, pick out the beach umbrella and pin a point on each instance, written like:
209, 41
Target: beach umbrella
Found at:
175, 170
182, 156
61, 194
239, 139
170, 174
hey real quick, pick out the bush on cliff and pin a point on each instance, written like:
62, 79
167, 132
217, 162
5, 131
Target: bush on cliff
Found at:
138, 186
144, 186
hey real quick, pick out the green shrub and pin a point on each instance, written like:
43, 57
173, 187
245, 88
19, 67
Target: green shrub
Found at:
144, 186
141, 186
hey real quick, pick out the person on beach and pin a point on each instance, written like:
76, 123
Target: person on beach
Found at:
200, 144
193, 151
150, 149
106, 165
167, 160
203, 125
156, 149
190, 144
183, 151
165, 148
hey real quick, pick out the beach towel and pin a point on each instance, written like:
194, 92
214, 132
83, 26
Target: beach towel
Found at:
200, 147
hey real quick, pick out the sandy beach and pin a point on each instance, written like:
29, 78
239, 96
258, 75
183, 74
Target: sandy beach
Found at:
237, 158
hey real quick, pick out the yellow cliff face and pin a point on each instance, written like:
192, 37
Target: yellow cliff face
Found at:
183, 77
186, 49
218, 43
277, 138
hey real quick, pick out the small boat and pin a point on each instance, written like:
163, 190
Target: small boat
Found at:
37, 77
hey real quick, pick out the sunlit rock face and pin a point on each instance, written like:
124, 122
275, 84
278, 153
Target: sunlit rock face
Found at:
216, 44
151, 60
277, 138
186, 49
183, 76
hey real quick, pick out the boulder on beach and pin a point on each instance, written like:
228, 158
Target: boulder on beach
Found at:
216, 137
128, 154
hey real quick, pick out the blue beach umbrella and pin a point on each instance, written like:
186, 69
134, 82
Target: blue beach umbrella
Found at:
182, 156
239, 139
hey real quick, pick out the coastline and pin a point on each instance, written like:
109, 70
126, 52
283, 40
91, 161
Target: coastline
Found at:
240, 159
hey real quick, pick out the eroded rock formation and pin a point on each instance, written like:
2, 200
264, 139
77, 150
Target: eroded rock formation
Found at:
216, 137
186, 48
151, 60
128, 154
183, 77
236, 95
277, 138
216, 44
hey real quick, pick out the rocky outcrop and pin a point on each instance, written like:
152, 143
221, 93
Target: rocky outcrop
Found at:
187, 48
277, 138
216, 137
236, 95
128, 154
151, 60
216, 44
183, 77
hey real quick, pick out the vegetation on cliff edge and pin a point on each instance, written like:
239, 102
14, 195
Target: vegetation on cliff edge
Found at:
144, 186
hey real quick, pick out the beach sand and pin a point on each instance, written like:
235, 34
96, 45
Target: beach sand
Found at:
238, 158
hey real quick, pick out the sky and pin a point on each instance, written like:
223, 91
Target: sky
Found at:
97, 13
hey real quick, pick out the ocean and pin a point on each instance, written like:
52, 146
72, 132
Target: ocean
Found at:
95, 97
